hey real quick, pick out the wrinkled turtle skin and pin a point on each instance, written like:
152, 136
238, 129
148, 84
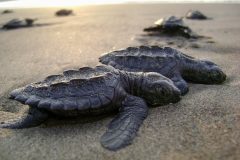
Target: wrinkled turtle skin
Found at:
19, 23
195, 15
171, 26
64, 12
167, 61
96, 91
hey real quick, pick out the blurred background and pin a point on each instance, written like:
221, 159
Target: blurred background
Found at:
64, 3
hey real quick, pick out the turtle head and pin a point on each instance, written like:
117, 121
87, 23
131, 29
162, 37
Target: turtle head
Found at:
205, 72
158, 90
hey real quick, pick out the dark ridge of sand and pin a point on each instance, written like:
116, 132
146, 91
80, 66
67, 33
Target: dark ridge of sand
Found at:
205, 124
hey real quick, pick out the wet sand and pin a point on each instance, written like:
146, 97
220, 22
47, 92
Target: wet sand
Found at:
205, 124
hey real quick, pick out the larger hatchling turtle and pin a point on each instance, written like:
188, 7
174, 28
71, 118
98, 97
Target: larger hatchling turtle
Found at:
96, 91
172, 26
167, 61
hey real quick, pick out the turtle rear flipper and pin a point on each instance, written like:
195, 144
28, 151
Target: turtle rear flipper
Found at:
33, 118
123, 128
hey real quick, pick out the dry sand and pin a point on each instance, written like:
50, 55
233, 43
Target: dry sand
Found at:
205, 124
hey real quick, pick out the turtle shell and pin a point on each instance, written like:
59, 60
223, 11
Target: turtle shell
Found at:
147, 59
83, 89
171, 21
195, 15
171, 26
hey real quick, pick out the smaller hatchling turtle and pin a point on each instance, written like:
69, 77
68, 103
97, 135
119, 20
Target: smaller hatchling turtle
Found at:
19, 23
94, 91
167, 61
172, 26
196, 15
64, 12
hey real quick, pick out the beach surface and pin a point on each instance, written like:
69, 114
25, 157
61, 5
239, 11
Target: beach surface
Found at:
204, 125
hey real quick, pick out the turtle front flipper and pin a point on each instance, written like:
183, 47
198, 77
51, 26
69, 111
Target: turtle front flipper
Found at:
180, 83
123, 128
33, 118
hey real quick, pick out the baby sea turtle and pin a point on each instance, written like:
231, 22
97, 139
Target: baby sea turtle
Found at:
95, 91
172, 26
64, 12
166, 61
7, 11
19, 23
195, 14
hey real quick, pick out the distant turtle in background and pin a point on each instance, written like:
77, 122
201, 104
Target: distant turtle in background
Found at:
7, 11
171, 26
96, 91
64, 12
167, 61
195, 15
19, 23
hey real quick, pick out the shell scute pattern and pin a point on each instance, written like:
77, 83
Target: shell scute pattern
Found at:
105, 99
144, 51
45, 103
132, 50
94, 102
56, 105
33, 100
70, 73
81, 89
147, 59
77, 82
21, 97
51, 78
142, 58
